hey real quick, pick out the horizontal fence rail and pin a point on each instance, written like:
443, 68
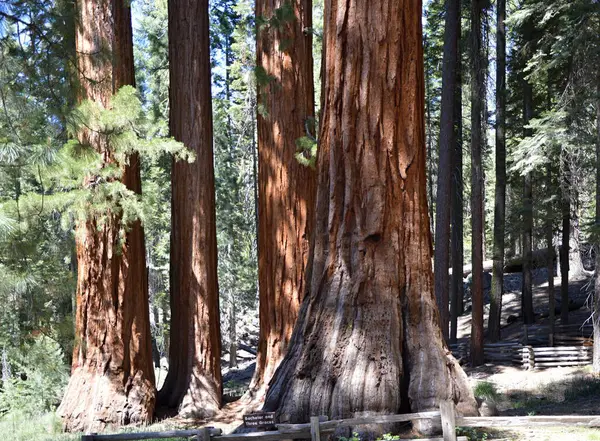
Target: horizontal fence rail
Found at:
318, 426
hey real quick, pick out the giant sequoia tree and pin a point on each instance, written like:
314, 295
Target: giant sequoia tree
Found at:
368, 335
193, 384
112, 379
287, 189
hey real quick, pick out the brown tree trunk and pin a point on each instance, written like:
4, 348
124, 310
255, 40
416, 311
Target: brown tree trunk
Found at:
564, 249
457, 290
447, 145
368, 336
527, 284
477, 95
193, 383
596, 315
112, 378
500, 195
550, 260
287, 189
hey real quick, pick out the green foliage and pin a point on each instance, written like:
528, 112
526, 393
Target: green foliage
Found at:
122, 130
39, 376
472, 433
486, 390
18, 426
306, 151
354, 437
281, 15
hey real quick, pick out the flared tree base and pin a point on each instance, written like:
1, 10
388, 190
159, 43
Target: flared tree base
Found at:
95, 401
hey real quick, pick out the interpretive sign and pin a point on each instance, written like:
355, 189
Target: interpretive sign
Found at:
259, 419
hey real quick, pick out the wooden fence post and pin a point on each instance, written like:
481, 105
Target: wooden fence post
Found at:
204, 434
531, 357
315, 430
448, 420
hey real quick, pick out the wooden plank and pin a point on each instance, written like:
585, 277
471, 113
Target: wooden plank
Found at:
566, 363
376, 419
276, 435
530, 421
315, 430
154, 435
563, 348
448, 420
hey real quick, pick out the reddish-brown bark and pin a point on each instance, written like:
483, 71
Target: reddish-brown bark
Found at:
112, 381
287, 189
368, 335
193, 384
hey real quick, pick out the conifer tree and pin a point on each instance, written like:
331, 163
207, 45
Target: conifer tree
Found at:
368, 335
445, 167
477, 96
500, 194
287, 184
193, 383
112, 379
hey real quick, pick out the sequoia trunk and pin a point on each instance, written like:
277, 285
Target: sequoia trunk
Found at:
500, 196
477, 94
193, 384
287, 188
447, 134
368, 335
112, 379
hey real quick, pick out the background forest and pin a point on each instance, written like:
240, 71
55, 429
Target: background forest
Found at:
551, 120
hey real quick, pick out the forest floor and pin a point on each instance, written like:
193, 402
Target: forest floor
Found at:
555, 391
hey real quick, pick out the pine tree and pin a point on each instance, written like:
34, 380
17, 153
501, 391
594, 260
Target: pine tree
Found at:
477, 94
500, 195
445, 164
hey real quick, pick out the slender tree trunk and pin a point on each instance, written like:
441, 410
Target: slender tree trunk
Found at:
429, 161
596, 315
457, 286
447, 146
112, 378
550, 263
193, 383
527, 288
287, 189
477, 95
368, 336
232, 335
564, 249
500, 196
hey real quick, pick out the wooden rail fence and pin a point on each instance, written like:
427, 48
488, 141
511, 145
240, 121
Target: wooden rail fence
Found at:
445, 417
570, 345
